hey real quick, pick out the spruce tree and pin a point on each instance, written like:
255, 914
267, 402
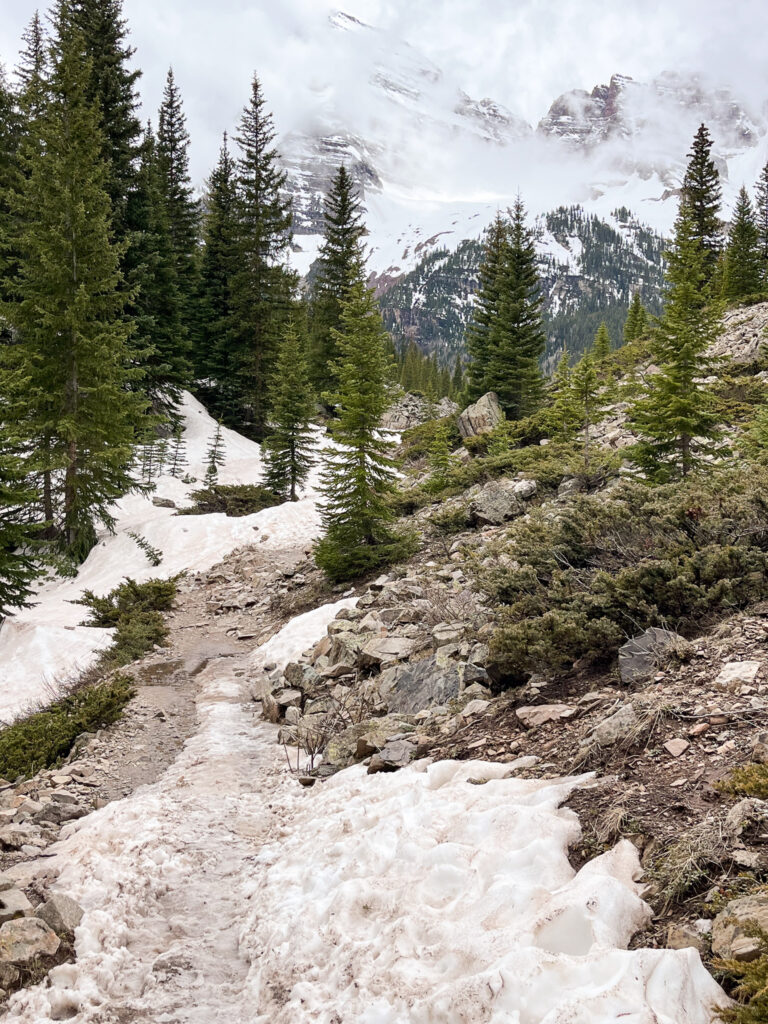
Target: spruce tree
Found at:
17, 569
589, 399
742, 265
31, 70
601, 346
761, 217
182, 211
485, 310
516, 336
262, 287
702, 194
636, 322
440, 456
457, 380
359, 472
216, 334
177, 460
70, 404
676, 417
287, 450
340, 256
215, 456
112, 87
565, 415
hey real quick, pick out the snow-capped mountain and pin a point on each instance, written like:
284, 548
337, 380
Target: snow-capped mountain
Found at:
434, 164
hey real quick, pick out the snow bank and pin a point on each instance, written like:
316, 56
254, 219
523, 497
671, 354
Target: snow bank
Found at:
46, 643
291, 641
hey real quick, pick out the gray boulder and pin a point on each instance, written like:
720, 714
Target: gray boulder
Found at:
395, 755
494, 505
729, 929
408, 689
639, 657
385, 651
482, 417
614, 728
60, 913
13, 903
25, 938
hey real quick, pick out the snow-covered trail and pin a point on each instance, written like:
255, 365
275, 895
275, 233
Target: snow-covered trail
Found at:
226, 894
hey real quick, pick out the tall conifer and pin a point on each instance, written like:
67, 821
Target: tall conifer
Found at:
702, 194
742, 264
287, 449
17, 569
485, 309
761, 217
338, 261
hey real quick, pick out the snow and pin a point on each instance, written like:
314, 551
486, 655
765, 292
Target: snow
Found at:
291, 641
225, 892
43, 646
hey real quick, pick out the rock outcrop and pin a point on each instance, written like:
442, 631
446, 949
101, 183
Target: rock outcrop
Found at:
482, 417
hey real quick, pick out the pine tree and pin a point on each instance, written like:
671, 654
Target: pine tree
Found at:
215, 456
440, 456
601, 346
486, 309
262, 287
218, 267
565, 413
158, 341
589, 399
702, 194
177, 461
457, 380
742, 266
70, 406
516, 337
339, 259
112, 86
636, 322
10, 138
287, 449
182, 211
761, 217
676, 418
360, 472
17, 569
32, 68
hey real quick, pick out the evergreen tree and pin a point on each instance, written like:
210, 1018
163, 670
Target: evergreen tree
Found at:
676, 418
440, 456
339, 259
601, 346
17, 569
702, 194
636, 322
516, 337
68, 375
457, 380
177, 461
742, 268
360, 472
218, 266
158, 341
181, 209
31, 70
10, 133
215, 456
565, 413
112, 86
589, 399
761, 217
288, 448
486, 308
262, 286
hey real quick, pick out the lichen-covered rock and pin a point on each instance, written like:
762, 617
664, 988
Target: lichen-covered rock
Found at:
494, 505
614, 728
408, 689
482, 417
639, 657
24, 939
729, 929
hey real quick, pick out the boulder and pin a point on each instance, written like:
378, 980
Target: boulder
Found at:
57, 812
540, 714
729, 929
736, 674
380, 732
525, 489
408, 411
686, 936
288, 698
475, 707
760, 748
13, 837
639, 657
163, 502
482, 417
385, 650
60, 913
395, 755
408, 689
447, 633
300, 675
25, 938
570, 486
13, 903
494, 505
614, 728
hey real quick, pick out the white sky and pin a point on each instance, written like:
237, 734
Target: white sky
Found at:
522, 53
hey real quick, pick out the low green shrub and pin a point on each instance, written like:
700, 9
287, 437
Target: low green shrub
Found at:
341, 562
232, 499
748, 983
133, 610
749, 780
46, 737
452, 519
416, 442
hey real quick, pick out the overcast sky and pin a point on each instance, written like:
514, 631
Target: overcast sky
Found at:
522, 53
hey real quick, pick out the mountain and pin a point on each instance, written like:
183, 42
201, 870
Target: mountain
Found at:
589, 267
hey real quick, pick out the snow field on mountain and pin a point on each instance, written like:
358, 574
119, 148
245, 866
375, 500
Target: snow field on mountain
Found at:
46, 644
226, 893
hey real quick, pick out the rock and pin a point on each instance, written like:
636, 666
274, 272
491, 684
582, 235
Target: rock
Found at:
541, 713
25, 938
686, 936
476, 691
447, 633
729, 938
494, 505
289, 698
292, 715
639, 657
736, 674
385, 651
381, 731
746, 815
475, 707
760, 749
270, 709
482, 417
676, 746
13, 903
570, 486
13, 837
407, 689
525, 489
343, 654
409, 411
6, 882
60, 913
300, 675
57, 812
614, 728
395, 755
163, 503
